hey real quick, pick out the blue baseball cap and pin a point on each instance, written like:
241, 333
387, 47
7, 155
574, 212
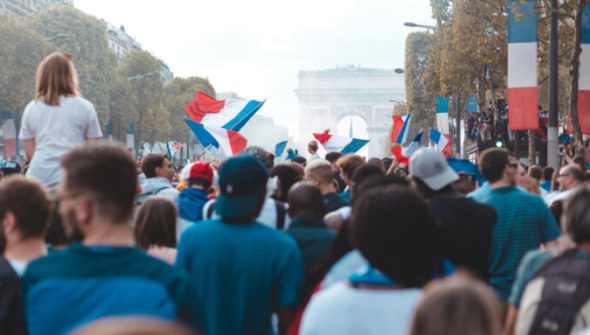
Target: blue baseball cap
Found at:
241, 179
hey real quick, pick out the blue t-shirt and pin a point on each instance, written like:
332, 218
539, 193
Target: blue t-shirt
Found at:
524, 223
78, 285
243, 272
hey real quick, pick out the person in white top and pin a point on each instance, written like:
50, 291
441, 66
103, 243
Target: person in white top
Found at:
24, 213
57, 120
394, 229
570, 177
312, 148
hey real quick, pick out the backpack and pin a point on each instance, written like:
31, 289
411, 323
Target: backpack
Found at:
280, 207
557, 304
140, 198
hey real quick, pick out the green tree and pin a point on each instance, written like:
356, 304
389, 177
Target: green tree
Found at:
21, 51
142, 71
418, 48
83, 36
178, 94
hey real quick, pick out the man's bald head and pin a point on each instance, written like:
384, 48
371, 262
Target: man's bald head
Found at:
305, 199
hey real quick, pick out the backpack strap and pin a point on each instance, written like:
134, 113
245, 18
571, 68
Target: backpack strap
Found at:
281, 213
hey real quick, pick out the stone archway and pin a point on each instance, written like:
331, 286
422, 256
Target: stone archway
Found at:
327, 96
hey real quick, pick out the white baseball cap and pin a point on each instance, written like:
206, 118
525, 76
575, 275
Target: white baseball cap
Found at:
432, 168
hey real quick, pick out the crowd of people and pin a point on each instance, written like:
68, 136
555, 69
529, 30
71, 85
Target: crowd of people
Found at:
94, 242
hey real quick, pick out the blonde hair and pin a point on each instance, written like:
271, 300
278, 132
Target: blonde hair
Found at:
56, 76
459, 306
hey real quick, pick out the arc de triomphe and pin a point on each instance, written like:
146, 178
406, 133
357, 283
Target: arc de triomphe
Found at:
327, 96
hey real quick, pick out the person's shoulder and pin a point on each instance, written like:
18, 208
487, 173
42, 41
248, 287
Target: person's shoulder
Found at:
80, 101
50, 264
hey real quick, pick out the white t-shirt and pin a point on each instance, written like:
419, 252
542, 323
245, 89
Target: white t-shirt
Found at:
56, 130
343, 310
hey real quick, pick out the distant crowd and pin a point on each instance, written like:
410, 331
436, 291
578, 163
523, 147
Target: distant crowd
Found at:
94, 242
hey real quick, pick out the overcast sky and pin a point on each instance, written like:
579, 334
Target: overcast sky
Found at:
256, 48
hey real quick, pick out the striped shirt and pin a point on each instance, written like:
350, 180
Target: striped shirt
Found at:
524, 223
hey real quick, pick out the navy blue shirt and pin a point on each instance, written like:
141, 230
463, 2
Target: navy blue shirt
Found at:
314, 239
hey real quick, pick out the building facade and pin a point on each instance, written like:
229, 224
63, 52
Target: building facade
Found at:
327, 96
26, 7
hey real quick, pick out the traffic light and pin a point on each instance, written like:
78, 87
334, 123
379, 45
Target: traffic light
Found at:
500, 143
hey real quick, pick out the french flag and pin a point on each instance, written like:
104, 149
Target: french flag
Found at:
400, 127
228, 141
230, 114
403, 154
440, 141
522, 65
584, 80
280, 148
336, 143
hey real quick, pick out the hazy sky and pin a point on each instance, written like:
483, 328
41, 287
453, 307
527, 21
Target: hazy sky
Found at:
256, 48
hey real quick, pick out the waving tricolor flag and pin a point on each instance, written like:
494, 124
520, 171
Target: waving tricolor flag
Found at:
228, 141
403, 154
230, 114
280, 148
400, 127
173, 148
337, 143
522, 65
442, 143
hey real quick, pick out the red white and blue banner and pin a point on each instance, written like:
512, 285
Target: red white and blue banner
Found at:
403, 154
442, 114
9, 134
522, 65
441, 143
230, 114
584, 80
337, 143
227, 141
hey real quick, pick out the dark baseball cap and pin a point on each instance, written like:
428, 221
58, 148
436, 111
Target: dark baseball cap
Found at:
241, 179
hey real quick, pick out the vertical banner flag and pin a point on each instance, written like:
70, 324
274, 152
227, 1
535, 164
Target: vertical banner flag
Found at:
131, 136
472, 106
280, 148
522, 65
584, 80
442, 114
9, 134
110, 131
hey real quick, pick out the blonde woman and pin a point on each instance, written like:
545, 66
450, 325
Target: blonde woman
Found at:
57, 120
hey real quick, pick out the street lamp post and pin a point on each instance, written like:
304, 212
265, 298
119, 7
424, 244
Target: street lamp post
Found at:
416, 25
56, 36
141, 76
552, 140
